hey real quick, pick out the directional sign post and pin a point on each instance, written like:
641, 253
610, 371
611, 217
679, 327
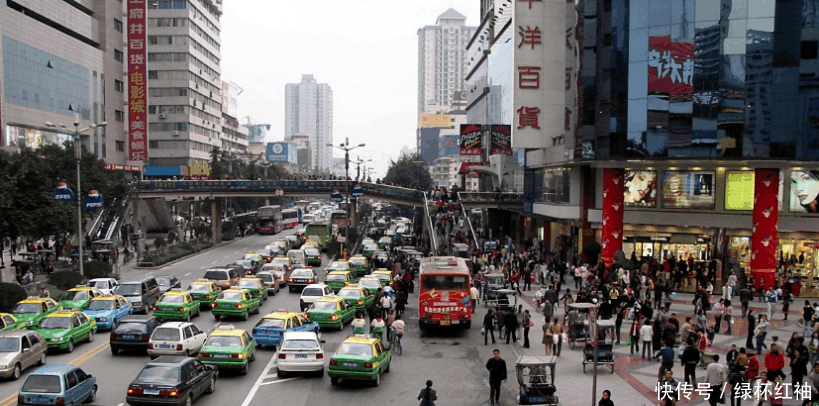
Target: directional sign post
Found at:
357, 191
336, 196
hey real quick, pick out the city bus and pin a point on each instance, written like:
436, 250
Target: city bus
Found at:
269, 220
290, 218
303, 205
339, 218
322, 230
444, 300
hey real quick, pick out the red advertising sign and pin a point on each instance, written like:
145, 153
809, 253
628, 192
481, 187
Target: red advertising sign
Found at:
471, 139
765, 230
670, 66
464, 168
613, 192
137, 80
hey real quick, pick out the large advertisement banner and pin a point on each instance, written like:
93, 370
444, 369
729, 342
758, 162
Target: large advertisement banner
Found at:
670, 66
137, 81
804, 191
640, 188
613, 191
471, 137
448, 145
688, 190
765, 230
500, 140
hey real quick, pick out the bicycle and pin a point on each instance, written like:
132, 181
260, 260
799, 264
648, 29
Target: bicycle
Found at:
395, 342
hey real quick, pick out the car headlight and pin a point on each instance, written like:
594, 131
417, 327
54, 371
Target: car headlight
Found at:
57, 339
103, 319
3, 366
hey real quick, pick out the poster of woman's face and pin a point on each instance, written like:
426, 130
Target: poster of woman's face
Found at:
641, 189
805, 191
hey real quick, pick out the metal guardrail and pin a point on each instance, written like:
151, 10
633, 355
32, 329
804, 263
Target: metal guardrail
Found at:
432, 239
497, 197
469, 222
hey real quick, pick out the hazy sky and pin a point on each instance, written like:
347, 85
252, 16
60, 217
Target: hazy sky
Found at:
366, 50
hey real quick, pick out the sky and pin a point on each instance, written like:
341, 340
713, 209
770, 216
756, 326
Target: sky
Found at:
366, 50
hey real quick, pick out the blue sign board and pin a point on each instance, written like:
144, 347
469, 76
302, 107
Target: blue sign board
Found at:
448, 145
284, 152
336, 197
357, 191
93, 201
63, 193
270, 186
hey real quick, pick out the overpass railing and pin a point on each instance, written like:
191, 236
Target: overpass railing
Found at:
469, 222
490, 197
432, 239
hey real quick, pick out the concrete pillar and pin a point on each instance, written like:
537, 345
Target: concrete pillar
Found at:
216, 220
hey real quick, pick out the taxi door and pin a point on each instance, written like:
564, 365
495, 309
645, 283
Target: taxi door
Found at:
384, 356
293, 324
28, 355
347, 311
306, 325
85, 325
8, 321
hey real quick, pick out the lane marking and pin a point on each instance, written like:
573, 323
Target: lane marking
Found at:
249, 398
280, 380
190, 272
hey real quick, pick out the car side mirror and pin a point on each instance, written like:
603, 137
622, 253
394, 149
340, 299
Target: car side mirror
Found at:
323, 341
89, 376
26, 349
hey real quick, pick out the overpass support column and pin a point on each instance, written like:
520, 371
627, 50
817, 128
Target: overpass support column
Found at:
216, 220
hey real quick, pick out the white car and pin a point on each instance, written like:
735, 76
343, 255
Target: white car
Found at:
314, 292
176, 338
271, 281
276, 269
105, 285
300, 351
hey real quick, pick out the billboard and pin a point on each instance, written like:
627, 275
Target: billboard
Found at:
471, 139
688, 189
137, 80
434, 121
256, 132
284, 152
739, 190
448, 145
804, 191
500, 140
670, 66
640, 189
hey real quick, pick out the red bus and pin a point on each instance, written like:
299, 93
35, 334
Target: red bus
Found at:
290, 218
269, 220
339, 218
444, 299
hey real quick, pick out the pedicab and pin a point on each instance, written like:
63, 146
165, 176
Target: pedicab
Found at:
576, 321
605, 345
536, 375
499, 299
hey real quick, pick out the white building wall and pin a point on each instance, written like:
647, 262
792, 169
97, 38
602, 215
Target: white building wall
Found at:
308, 109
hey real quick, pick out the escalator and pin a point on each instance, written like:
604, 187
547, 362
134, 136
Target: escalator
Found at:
431, 229
155, 216
108, 222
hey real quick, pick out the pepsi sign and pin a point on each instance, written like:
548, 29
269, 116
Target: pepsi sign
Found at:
63, 193
93, 202
336, 197
357, 191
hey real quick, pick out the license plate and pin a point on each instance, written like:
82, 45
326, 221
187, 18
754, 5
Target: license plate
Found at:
129, 337
167, 309
318, 317
220, 355
41, 400
351, 364
445, 322
165, 346
301, 356
151, 391
301, 280
226, 305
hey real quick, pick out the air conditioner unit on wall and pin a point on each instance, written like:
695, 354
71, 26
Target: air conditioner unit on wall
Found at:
175, 133
163, 116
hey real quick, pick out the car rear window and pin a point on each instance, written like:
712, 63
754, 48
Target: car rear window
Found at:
349, 293
271, 323
224, 341
172, 299
216, 275
163, 281
231, 296
129, 289
300, 345
199, 287
131, 328
42, 384
336, 278
160, 374
301, 274
324, 306
99, 284
265, 277
312, 292
359, 350
166, 334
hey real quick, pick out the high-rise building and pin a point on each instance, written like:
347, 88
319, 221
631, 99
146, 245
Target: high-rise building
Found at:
185, 86
442, 61
308, 108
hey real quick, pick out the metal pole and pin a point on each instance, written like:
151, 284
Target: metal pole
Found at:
347, 194
78, 155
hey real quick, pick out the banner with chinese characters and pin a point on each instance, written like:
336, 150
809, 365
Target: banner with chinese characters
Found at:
471, 139
670, 66
539, 72
612, 231
500, 140
765, 227
137, 81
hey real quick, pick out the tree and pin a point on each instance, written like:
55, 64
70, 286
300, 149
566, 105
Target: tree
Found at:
217, 164
410, 172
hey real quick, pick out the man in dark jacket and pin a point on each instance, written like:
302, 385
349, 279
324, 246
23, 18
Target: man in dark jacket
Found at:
497, 375
669, 334
489, 327
689, 360
510, 321
751, 327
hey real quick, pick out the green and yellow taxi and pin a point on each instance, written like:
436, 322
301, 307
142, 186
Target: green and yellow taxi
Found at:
385, 275
255, 286
255, 256
9, 322
360, 265
357, 296
339, 266
271, 327
384, 242
286, 262
229, 348
330, 311
312, 256
204, 290
176, 305
64, 328
30, 311
360, 358
235, 303
338, 279
369, 250
79, 297
371, 283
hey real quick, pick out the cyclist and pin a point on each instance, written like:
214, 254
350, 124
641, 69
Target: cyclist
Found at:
377, 328
398, 327
386, 303
359, 324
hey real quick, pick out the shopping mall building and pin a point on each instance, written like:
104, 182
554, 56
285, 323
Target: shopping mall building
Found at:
704, 113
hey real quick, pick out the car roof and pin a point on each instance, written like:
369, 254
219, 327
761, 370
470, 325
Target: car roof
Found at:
176, 292
369, 278
250, 278
219, 268
230, 332
203, 282
63, 313
330, 299
36, 300
339, 272
137, 319
53, 370
235, 290
102, 279
170, 360
300, 335
354, 287
280, 314
359, 340
382, 271
79, 288
107, 297
14, 333
315, 285
175, 324
358, 257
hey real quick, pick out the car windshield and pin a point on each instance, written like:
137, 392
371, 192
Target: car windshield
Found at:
224, 341
280, 262
330, 306
101, 305
9, 344
248, 284
42, 384
358, 350
199, 287
271, 323
312, 252
265, 277
26, 308
53, 323
338, 265
166, 334
444, 282
369, 283
381, 276
131, 328
358, 262
230, 296
160, 374
349, 293
172, 299
244, 263
129, 289
370, 247
312, 292
163, 281
99, 284
335, 278
75, 295
300, 345
216, 275
301, 274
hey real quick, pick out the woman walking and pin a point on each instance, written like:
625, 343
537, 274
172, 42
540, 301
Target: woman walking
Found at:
557, 330
547, 336
761, 332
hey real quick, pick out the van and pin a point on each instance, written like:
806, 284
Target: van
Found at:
224, 277
297, 257
142, 293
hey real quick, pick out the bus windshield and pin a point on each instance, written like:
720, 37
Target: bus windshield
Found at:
444, 282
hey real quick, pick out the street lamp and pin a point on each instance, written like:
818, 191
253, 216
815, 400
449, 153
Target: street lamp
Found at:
78, 155
358, 163
345, 146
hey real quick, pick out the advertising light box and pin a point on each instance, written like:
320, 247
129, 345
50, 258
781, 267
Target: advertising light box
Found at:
688, 190
640, 189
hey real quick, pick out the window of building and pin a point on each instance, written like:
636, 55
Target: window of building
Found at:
119, 86
810, 49
118, 25
120, 146
118, 55
119, 116
104, 152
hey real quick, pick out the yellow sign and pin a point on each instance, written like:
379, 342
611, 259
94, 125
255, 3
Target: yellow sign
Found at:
435, 121
739, 190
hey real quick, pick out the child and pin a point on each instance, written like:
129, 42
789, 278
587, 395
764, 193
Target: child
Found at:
667, 301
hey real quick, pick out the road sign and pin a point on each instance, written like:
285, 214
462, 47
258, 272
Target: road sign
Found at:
336, 196
279, 192
357, 191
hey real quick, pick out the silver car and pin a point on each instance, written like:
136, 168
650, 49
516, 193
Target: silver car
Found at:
270, 280
20, 349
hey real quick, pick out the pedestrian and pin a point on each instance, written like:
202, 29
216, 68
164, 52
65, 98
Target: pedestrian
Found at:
786, 302
474, 294
489, 327
807, 316
799, 363
646, 336
751, 320
605, 400
689, 360
527, 324
547, 335
719, 311
634, 334
557, 329
729, 317
669, 389
770, 300
744, 299
715, 375
428, 395
775, 362
497, 375
813, 382
761, 331
510, 323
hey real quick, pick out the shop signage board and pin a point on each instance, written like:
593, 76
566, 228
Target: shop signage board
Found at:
765, 229
357, 191
688, 190
804, 191
137, 80
336, 197
471, 139
612, 238
500, 140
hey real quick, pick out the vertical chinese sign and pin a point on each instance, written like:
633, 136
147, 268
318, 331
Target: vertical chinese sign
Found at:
670, 67
540, 85
765, 229
137, 81
612, 233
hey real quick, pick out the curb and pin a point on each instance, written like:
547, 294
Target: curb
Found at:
154, 268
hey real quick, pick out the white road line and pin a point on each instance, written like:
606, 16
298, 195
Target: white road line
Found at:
259, 382
190, 273
279, 381
228, 256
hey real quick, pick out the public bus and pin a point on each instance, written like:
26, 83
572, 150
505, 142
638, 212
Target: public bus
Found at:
322, 230
303, 204
443, 295
290, 218
269, 220
339, 218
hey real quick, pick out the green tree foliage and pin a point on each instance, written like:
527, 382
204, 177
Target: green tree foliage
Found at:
10, 294
217, 164
65, 280
410, 172
97, 269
